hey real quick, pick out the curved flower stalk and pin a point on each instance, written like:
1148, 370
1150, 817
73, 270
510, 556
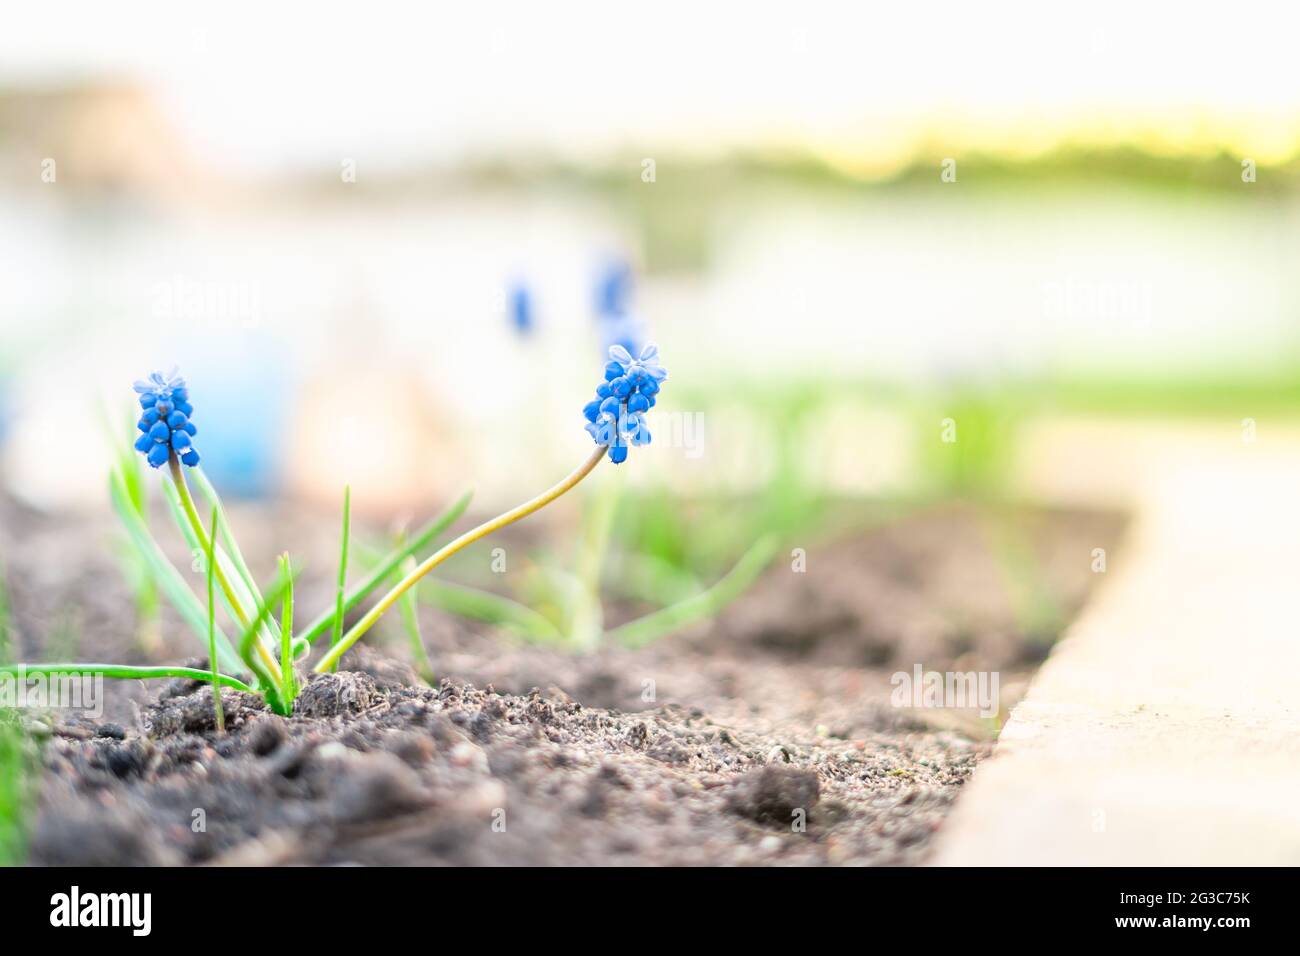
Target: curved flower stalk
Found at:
614, 420
469, 537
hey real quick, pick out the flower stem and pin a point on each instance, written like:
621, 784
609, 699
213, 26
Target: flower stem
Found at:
187, 502
469, 537
212, 627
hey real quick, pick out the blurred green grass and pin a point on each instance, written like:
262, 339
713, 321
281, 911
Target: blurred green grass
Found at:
17, 757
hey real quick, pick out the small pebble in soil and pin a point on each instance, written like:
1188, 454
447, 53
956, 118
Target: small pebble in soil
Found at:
376, 785
773, 793
331, 695
267, 735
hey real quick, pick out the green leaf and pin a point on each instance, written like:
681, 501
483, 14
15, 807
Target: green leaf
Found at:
646, 577
211, 567
19, 770
663, 622
343, 567
388, 565
166, 576
130, 467
585, 619
411, 623
6, 641
488, 607
227, 535
126, 673
247, 605
287, 675
276, 693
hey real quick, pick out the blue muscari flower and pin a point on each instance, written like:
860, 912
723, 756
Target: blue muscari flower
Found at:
520, 308
617, 323
165, 425
626, 331
614, 289
616, 417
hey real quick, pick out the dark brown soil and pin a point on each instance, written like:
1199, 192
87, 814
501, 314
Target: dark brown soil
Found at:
767, 736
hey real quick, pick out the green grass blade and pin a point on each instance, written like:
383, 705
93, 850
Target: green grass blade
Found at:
645, 577
287, 675
131, 468
18, 766
18, 769
410, 614
337, 633
388, 565
247, 604
663, 622
6, 639
586, 615
490, 608
122, 672
282, 584
211, 568
227, 535
164, 573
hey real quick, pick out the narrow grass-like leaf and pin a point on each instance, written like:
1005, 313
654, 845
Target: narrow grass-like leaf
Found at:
235, 597
647, 577
388, 565
663, 622
19, 773
6, 641
123, 672
586, 614
17, 763
164, 573
289, 679
144, 588
456, 545
491, 608
343, 569
411, 623
274, 691
227, 535
210, 566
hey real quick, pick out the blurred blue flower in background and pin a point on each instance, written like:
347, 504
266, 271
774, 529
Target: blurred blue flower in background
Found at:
247, 395
520, 308
614, 286
617, 323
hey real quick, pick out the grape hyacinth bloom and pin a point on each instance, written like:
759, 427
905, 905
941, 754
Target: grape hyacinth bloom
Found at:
613, 294
519, 304
616, 417
616, 321
165, 424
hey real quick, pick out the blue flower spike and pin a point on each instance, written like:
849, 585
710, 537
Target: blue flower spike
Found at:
165, 426
616, 418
